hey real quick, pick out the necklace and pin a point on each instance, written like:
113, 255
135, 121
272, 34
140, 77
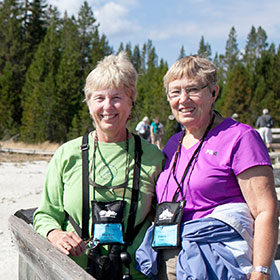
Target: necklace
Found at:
93, 167
194, 156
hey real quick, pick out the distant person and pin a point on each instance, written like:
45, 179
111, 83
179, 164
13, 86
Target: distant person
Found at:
235, 116
143, 128
264, 124
157, 132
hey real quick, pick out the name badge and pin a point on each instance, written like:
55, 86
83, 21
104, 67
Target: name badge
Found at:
108, 233
107, 222
167, 225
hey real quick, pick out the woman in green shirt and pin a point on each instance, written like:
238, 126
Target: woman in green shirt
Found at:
110, 91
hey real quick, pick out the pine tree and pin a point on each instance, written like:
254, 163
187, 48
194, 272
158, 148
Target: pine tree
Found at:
151, 100
75, 129
87, 27
128, 50
219, 61
69, 83
35, 26
121, 48
152, 58
232, 52
136, 58
276, 85
276, 71
265, 92
261, 41
11, 64
251, 48
143, 59
82, 121
38, 122
182, 53
237, 93
204, 49
99, 49
7, 96
10, 32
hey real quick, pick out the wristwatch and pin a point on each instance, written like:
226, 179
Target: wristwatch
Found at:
262, 269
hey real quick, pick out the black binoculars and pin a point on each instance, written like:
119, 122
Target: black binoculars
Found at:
109, 267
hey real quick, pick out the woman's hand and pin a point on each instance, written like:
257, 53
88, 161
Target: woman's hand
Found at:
67, 242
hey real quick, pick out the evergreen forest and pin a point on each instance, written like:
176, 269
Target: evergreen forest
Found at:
45, 58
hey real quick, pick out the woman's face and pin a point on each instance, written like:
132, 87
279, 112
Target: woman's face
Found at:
193, 109
110, 110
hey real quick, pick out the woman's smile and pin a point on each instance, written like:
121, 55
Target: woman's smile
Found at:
108, 117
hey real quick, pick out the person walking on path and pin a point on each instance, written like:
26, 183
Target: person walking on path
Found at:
157, 132
143, 128
264, 124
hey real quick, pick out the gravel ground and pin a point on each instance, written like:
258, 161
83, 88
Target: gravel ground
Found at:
21, 184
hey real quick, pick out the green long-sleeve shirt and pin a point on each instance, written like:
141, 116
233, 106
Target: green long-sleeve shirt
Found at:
63, 186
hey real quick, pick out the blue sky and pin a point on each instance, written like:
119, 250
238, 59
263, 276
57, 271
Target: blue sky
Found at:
173, 23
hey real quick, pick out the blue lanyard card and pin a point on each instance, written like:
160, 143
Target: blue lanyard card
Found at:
107, 224
167, 225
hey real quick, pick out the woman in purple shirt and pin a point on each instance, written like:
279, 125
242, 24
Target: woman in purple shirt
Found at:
217, 166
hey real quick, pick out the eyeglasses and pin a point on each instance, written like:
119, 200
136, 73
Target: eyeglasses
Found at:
192, 92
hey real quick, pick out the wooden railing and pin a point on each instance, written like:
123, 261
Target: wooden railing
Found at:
39, 259
26, 151
275, 135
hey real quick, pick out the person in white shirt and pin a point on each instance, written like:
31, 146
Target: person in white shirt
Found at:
143, 128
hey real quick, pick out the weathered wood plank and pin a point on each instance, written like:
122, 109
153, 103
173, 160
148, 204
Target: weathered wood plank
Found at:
275, 135
25, 271
26, 151
39, 259
275, 158
275, 130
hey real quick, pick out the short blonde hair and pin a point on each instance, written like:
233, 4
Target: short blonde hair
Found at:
191, 67
113, 72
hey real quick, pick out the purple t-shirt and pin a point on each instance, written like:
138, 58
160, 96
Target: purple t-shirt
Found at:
228, 150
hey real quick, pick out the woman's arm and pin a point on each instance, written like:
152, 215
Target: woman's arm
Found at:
50, 216
257, 186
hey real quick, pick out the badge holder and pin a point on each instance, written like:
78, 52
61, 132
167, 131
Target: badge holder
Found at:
168, 218
108, 222
167, 225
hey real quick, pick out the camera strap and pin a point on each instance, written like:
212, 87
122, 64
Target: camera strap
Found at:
169, 214
194, 156
131, 231
83, 232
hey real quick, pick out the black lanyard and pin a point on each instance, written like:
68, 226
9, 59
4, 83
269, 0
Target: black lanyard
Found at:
94, 184
194, 156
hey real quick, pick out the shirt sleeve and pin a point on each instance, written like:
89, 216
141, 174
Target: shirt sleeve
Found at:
138, 126
249, 151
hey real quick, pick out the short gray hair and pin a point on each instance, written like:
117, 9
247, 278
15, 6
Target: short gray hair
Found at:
191, 67
113, 72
